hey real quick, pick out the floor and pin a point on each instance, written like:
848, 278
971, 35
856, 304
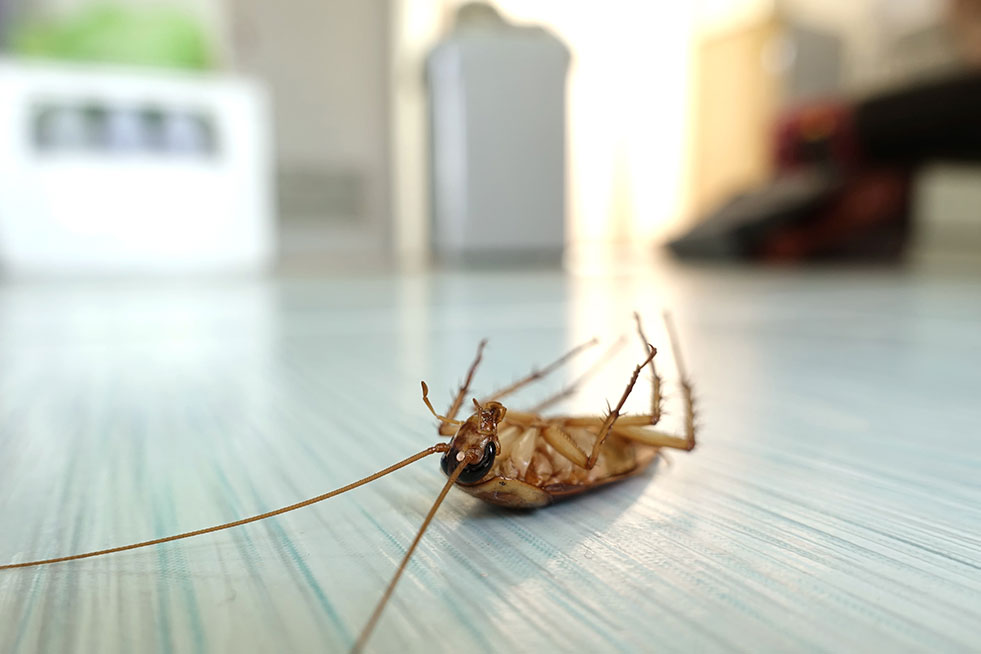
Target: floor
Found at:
833, 502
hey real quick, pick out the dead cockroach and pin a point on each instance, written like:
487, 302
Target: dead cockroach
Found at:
517, 459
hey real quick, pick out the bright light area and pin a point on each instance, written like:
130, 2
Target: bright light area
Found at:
628, 94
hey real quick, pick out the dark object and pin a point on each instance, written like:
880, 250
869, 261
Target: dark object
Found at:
472, 473
808, 215
936, 120
737, 229
843, 185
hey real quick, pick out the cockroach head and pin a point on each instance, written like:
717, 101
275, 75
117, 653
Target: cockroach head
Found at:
489, 415
475, 445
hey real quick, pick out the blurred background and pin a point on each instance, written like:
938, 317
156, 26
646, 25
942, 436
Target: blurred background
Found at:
210, 135
235, 234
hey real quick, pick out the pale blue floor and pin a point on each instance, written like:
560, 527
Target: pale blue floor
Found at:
834, 502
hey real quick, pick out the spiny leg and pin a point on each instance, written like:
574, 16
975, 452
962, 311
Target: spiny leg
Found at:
650, 436
655, 378
539, 374
614, 413
683, 380
579, 381
446, 428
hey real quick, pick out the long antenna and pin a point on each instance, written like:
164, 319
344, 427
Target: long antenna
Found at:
366, 632
439, 447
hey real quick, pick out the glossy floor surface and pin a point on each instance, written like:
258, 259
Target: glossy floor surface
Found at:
833, 503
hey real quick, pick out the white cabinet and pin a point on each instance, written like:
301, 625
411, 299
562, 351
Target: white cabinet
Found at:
117, 171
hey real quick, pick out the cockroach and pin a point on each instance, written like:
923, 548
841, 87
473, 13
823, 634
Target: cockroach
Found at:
516, 459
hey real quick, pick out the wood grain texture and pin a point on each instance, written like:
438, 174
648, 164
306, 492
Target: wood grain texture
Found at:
833, 504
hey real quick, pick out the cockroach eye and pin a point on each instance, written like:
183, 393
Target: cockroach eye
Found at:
472, 473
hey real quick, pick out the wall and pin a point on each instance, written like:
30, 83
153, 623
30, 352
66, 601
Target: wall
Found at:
326, 64
735, 101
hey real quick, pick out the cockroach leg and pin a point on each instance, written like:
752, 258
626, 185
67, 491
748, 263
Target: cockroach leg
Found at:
539, 374
579, 381
614, 413
446, 428
649, 436
655, 378
683, 380
564, 444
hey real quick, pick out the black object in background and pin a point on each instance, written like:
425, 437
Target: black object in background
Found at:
940, 119
736, 228
851, 200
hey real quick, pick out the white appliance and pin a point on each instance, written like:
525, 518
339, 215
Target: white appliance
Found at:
497, 102
106, 170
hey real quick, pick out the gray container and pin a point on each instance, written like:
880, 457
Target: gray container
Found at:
497, 103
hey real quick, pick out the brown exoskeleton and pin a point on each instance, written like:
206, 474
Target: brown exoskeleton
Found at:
518, 459
525, 460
